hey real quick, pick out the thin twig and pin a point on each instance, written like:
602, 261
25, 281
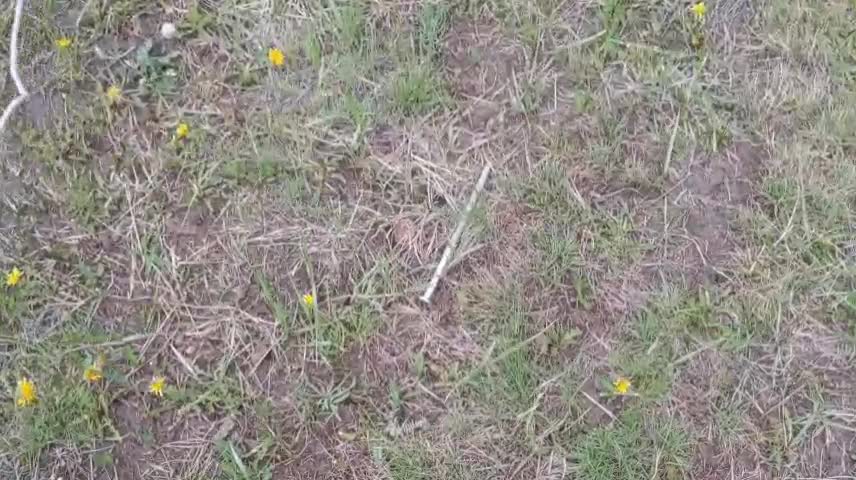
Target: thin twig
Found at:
184, 362
13, 67
587, 40
671, 145
456, 237
82, 14
114, 343
599, 405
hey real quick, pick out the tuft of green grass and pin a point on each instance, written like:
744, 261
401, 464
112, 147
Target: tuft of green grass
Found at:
88, 203
407, 463
433, 23
257, 172
728, 418
550, 191
418, 459
321, 402
613, 15
281, 314
17, 303
220, 392
559, 255
349, 26
609, 236
511, 372
334, 333
158, 72
236, 465
612, 237
531, 96
335, 328
637, 446
70, 413
664, 331
416, 89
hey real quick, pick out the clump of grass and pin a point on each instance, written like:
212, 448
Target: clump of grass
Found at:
560, 254
416, 90
346, 326
512, 372
236, 465
550, 191
418, 459
637, 446
663, 332
407, 464
89, 203
613, 16
221, 393
18, 302
69, 413
349, 26
652, 371
433, 24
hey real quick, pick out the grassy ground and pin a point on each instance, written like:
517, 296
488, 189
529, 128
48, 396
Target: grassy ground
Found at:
672, 203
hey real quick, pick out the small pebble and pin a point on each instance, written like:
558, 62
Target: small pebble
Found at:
168, 30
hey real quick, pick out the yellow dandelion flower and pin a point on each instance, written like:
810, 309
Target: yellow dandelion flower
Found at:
309, 300
699, 9
63, 43
621, 386
14, 277
157, 386
276, 57
114, 93
92, 373
182, 131
26, 393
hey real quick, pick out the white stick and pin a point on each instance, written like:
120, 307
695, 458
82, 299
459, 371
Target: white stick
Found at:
13, 67
671, 149
456, 237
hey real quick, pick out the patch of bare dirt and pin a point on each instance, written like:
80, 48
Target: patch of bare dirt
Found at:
715, 186
417, 240
830, 453
485, 71
699, 385
130, 454
702, 234
825, 358
509, 247
480, 62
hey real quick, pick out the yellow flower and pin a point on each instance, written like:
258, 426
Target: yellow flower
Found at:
621, 386
26, 393
182, 131
699, 9
14, 277
157, 386
276, 57
114, 93
93, 373
63, 42
309, 300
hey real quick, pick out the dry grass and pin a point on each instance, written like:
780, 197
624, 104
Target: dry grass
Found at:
674, 214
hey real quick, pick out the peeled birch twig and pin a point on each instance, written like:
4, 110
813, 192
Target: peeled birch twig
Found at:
456, 237
13, 67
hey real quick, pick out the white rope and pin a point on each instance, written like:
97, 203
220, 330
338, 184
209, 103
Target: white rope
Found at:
13, 67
